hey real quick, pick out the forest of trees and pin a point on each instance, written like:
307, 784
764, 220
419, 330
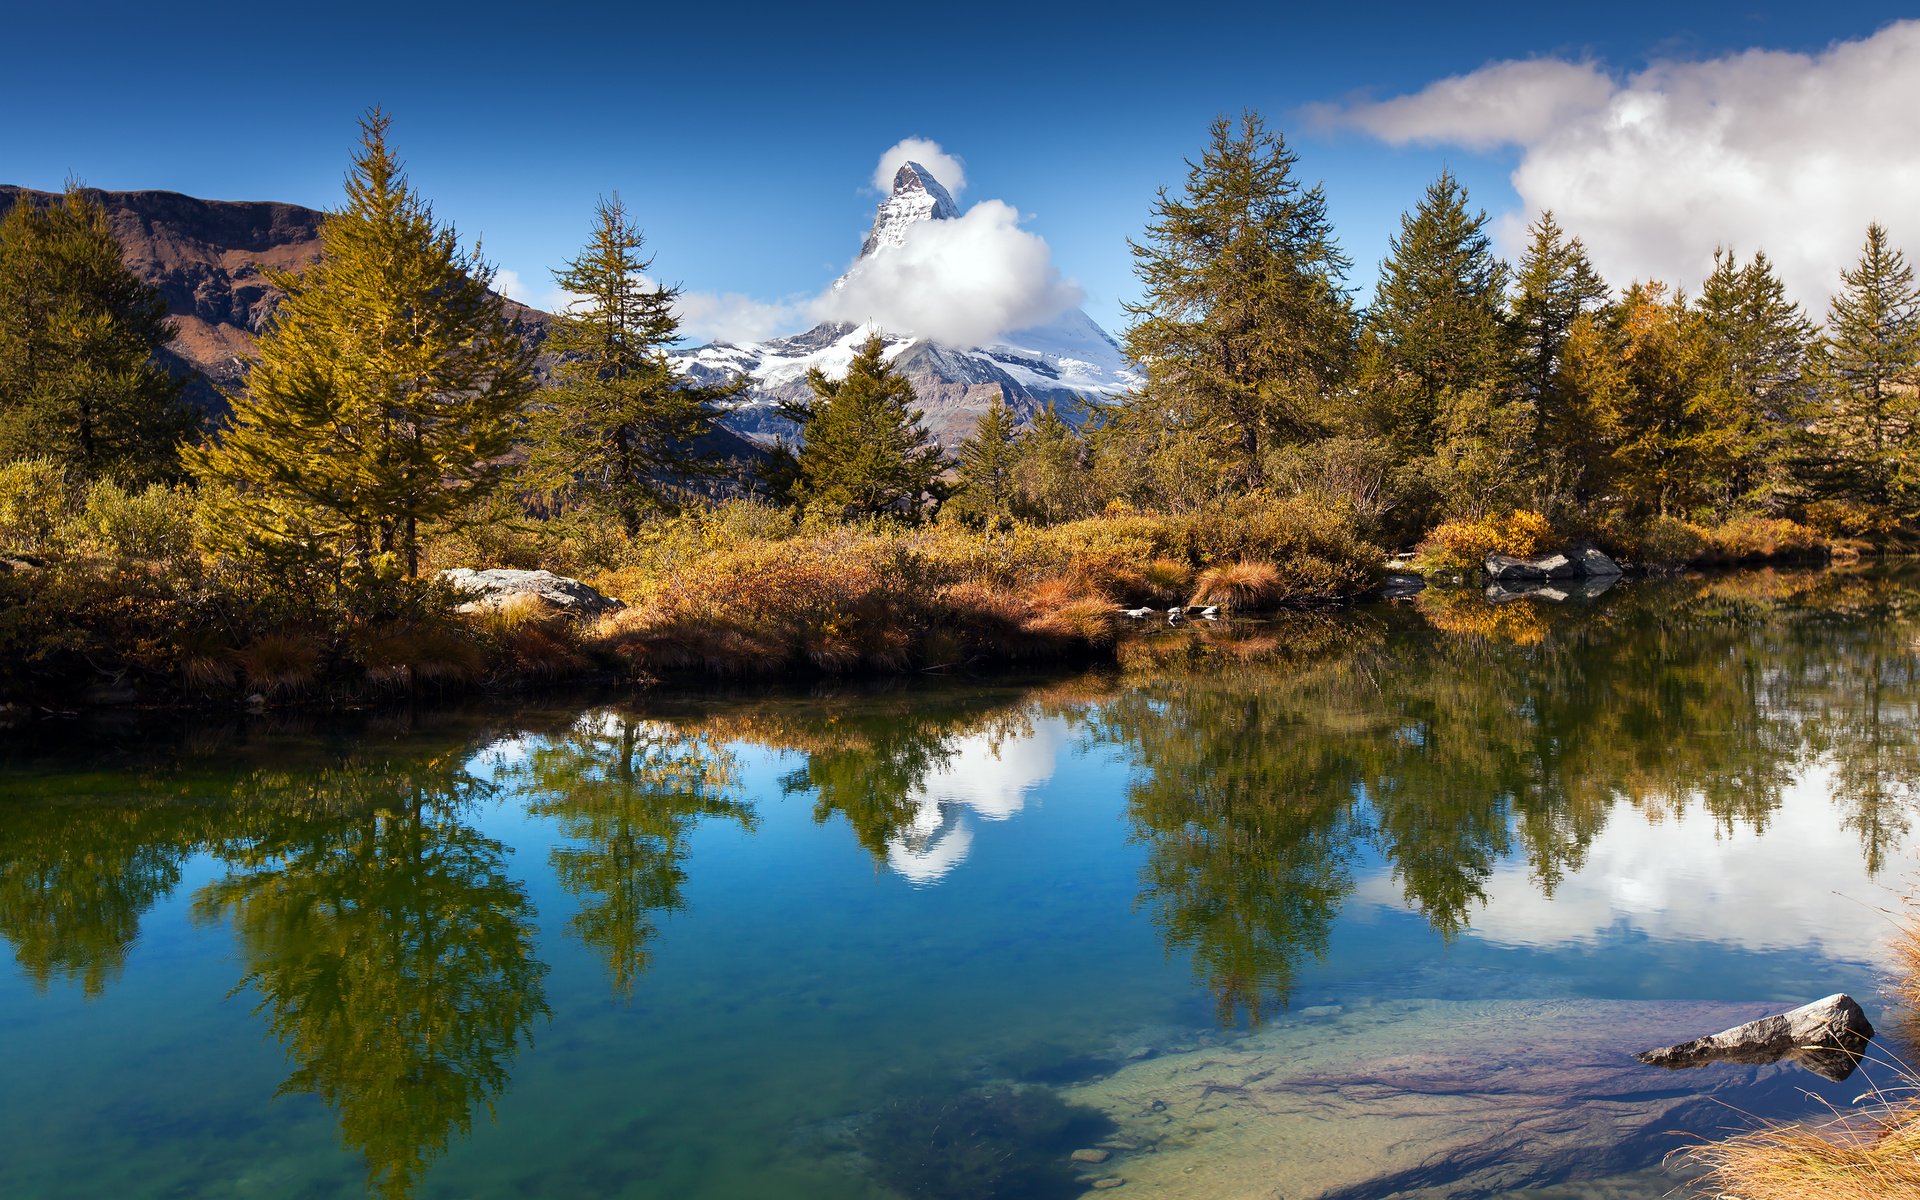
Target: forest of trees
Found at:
391, 423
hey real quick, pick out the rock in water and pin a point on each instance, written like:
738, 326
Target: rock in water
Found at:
492, 589
1594, 564
1506, 568
1826, 1037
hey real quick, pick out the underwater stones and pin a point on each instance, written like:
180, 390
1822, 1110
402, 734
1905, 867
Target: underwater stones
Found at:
1107, 1183
1826, 1037
500, 586
1094, 1156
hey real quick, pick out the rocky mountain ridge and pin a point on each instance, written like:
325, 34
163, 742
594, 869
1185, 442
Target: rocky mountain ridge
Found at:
1068, 360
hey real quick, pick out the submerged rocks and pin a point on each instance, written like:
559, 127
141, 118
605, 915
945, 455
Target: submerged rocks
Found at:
501, 586
1826, 1037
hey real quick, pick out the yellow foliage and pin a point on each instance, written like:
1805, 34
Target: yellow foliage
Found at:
1464, 544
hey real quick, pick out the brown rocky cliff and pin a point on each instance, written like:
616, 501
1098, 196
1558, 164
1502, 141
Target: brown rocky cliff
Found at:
206, 257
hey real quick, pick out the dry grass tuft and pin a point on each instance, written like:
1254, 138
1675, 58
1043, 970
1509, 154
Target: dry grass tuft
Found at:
1872, 1153
279, 663
1242, 585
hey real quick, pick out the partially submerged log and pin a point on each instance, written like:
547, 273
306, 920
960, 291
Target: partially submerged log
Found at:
1826, 1037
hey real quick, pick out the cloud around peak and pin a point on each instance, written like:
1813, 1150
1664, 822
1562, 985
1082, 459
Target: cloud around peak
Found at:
949, 169
963, 281
1791, 153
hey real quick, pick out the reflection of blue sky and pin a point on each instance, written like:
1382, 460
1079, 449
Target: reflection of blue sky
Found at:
1676, 875
986, 777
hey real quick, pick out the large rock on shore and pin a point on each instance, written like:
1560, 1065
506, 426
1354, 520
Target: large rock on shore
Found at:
1581, 563
501, 586
1826, 1037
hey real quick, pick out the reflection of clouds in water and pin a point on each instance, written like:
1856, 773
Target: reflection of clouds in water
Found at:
986, 775
1802, 882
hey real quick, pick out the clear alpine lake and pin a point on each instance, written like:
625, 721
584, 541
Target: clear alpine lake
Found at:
1365, 904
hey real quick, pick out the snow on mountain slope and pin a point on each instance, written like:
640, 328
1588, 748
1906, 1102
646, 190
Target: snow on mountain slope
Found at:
1057, 363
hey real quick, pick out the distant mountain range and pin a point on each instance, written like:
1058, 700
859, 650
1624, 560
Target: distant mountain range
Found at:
1068, 358
206, 259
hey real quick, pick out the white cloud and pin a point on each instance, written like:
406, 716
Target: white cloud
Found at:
965, 281
949, 170
1499, 104
1790, 153
732, 317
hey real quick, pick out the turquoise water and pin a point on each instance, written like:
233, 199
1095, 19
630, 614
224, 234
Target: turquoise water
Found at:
763, 945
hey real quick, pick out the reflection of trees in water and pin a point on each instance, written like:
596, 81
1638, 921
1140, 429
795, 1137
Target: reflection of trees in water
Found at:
392, 954
76, 878
1257, 786
629, 793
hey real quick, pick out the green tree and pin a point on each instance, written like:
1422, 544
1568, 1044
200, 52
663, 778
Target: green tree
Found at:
1554, 286
1051, 475
81, 380
1439, 385
1641, 377
989, 465
1438, 314
385, 392
622, 430
1244, 327
866, 452
1759, 342
1867, 370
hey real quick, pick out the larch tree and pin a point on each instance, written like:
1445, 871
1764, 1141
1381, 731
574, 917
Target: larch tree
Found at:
81, 380
1869, 371
622, 430
1244, 324
385, 392
866, 452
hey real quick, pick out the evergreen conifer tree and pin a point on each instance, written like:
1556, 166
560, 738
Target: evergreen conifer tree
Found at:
621, 430
80, 335
1441, 385
866, 451
1759, 342
989, 463
1554, 286
1870, 416
385, 392
1244, 324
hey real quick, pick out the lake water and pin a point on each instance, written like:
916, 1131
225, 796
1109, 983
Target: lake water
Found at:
1373, 904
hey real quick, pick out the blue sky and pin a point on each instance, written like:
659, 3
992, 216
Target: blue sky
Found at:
743, 137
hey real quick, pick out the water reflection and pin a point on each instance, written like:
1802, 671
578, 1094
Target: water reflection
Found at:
391, 952
1529, 772
628, 793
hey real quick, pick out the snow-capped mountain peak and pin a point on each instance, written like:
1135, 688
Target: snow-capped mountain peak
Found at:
917, 196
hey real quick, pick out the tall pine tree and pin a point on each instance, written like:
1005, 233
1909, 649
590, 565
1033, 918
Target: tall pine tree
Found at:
1554, 286
1870, 414
1759, 342
987, 480
80, 335
386, 391
622, 431
1440, 383
1245, 325
866, 453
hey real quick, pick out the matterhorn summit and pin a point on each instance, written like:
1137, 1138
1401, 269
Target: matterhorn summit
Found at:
917, 196
1054, 363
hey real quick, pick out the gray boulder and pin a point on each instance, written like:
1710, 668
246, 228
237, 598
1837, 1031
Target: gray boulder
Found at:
497, 587
1503, 568
1595, 565
1826, 1037
1401, 583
